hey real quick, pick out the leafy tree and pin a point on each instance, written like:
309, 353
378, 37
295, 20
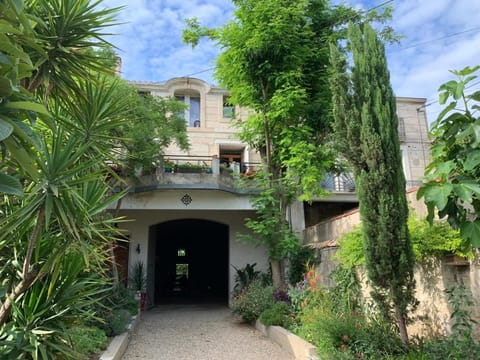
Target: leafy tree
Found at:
452, 178
274, 59
367, 135
155, 125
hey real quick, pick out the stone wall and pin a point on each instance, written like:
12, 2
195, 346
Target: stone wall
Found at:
432, 315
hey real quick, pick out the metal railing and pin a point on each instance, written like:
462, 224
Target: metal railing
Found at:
339, 182
209, 165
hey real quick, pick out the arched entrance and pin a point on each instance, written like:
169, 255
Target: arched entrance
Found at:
191, 261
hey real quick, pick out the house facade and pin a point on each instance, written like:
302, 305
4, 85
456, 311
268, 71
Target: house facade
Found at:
186, 216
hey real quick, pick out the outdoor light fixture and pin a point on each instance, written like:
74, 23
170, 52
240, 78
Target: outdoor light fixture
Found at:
138, 249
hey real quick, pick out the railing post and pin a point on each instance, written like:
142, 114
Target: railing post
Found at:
215, 165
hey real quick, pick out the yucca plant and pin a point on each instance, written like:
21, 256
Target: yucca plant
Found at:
38, 322
138, 277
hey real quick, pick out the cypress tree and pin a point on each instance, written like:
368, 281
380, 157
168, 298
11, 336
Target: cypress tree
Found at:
367, 136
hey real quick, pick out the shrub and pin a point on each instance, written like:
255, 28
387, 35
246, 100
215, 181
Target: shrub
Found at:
39, 319
427, 240
244, 276
279, 314
117, 321
87, 340
299, 260
252, 301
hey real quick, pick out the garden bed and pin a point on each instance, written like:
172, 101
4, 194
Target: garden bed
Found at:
119, 343
293, 344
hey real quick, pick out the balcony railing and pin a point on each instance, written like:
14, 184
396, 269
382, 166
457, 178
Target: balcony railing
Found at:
339, 182
206, 165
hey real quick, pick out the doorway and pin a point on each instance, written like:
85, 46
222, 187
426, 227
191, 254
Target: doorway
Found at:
191, 261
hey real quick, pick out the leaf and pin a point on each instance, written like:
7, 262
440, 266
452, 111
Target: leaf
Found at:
438, 195
442, 114
474, 187
472, 160
5, 86
443, 97
470, 231
463, 193
6, 129
10, 185
27, 105
475, 96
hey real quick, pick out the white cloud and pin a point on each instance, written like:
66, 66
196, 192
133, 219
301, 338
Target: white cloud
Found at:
152, 50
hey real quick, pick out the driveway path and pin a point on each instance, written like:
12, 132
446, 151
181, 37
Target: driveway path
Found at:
198, 332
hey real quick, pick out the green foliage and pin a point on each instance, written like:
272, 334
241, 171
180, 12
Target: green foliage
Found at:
39, 319
269, 227
334, 321
117, 321
351, 251
299, 260
138, 277
87, 340
279, 314
252, 301
452, 177
118, 301
155, 125
437, 239
366, 133
245, 276
461, 344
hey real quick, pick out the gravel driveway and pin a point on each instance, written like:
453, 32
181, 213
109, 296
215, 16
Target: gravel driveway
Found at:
198, 332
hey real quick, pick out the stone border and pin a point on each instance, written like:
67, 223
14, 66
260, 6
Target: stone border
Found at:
293, 344
119, 343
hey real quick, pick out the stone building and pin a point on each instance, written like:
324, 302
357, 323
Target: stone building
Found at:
187, 215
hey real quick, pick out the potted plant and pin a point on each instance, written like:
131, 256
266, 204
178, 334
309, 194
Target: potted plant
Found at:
189, 168
138, 281
168, 166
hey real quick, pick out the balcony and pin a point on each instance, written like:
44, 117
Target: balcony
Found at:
195, 172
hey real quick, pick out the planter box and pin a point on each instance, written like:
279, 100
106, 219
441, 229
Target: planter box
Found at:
293, 344
187, 170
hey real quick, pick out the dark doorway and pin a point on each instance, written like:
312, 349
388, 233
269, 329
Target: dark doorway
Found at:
191, 261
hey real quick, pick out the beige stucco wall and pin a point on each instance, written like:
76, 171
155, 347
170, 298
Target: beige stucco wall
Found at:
215, 130
414, 142
239, 253
432, 316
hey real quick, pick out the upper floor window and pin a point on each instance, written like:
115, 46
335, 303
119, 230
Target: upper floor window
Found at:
228, 108
401, 127
143, 93
192, 112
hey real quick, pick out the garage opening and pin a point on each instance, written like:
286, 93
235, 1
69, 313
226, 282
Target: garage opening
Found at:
191, 261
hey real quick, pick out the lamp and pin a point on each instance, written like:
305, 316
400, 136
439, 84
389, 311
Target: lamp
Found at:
138, 249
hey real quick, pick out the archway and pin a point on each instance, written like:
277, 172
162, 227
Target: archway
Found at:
191, 261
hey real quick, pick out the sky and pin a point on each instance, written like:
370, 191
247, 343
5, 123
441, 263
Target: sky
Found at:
439, 35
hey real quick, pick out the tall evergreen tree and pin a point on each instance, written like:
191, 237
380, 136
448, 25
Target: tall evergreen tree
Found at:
366, 128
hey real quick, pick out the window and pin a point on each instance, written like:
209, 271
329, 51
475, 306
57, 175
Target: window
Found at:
401, 127
192, 113
143, 93
228, 108
181, 252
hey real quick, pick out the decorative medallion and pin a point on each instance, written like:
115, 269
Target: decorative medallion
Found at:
186, 199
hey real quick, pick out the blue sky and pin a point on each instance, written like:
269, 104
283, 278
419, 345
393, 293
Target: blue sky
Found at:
440, 35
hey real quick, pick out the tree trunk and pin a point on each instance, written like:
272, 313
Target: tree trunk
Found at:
276, 274
402, 326
10, 298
